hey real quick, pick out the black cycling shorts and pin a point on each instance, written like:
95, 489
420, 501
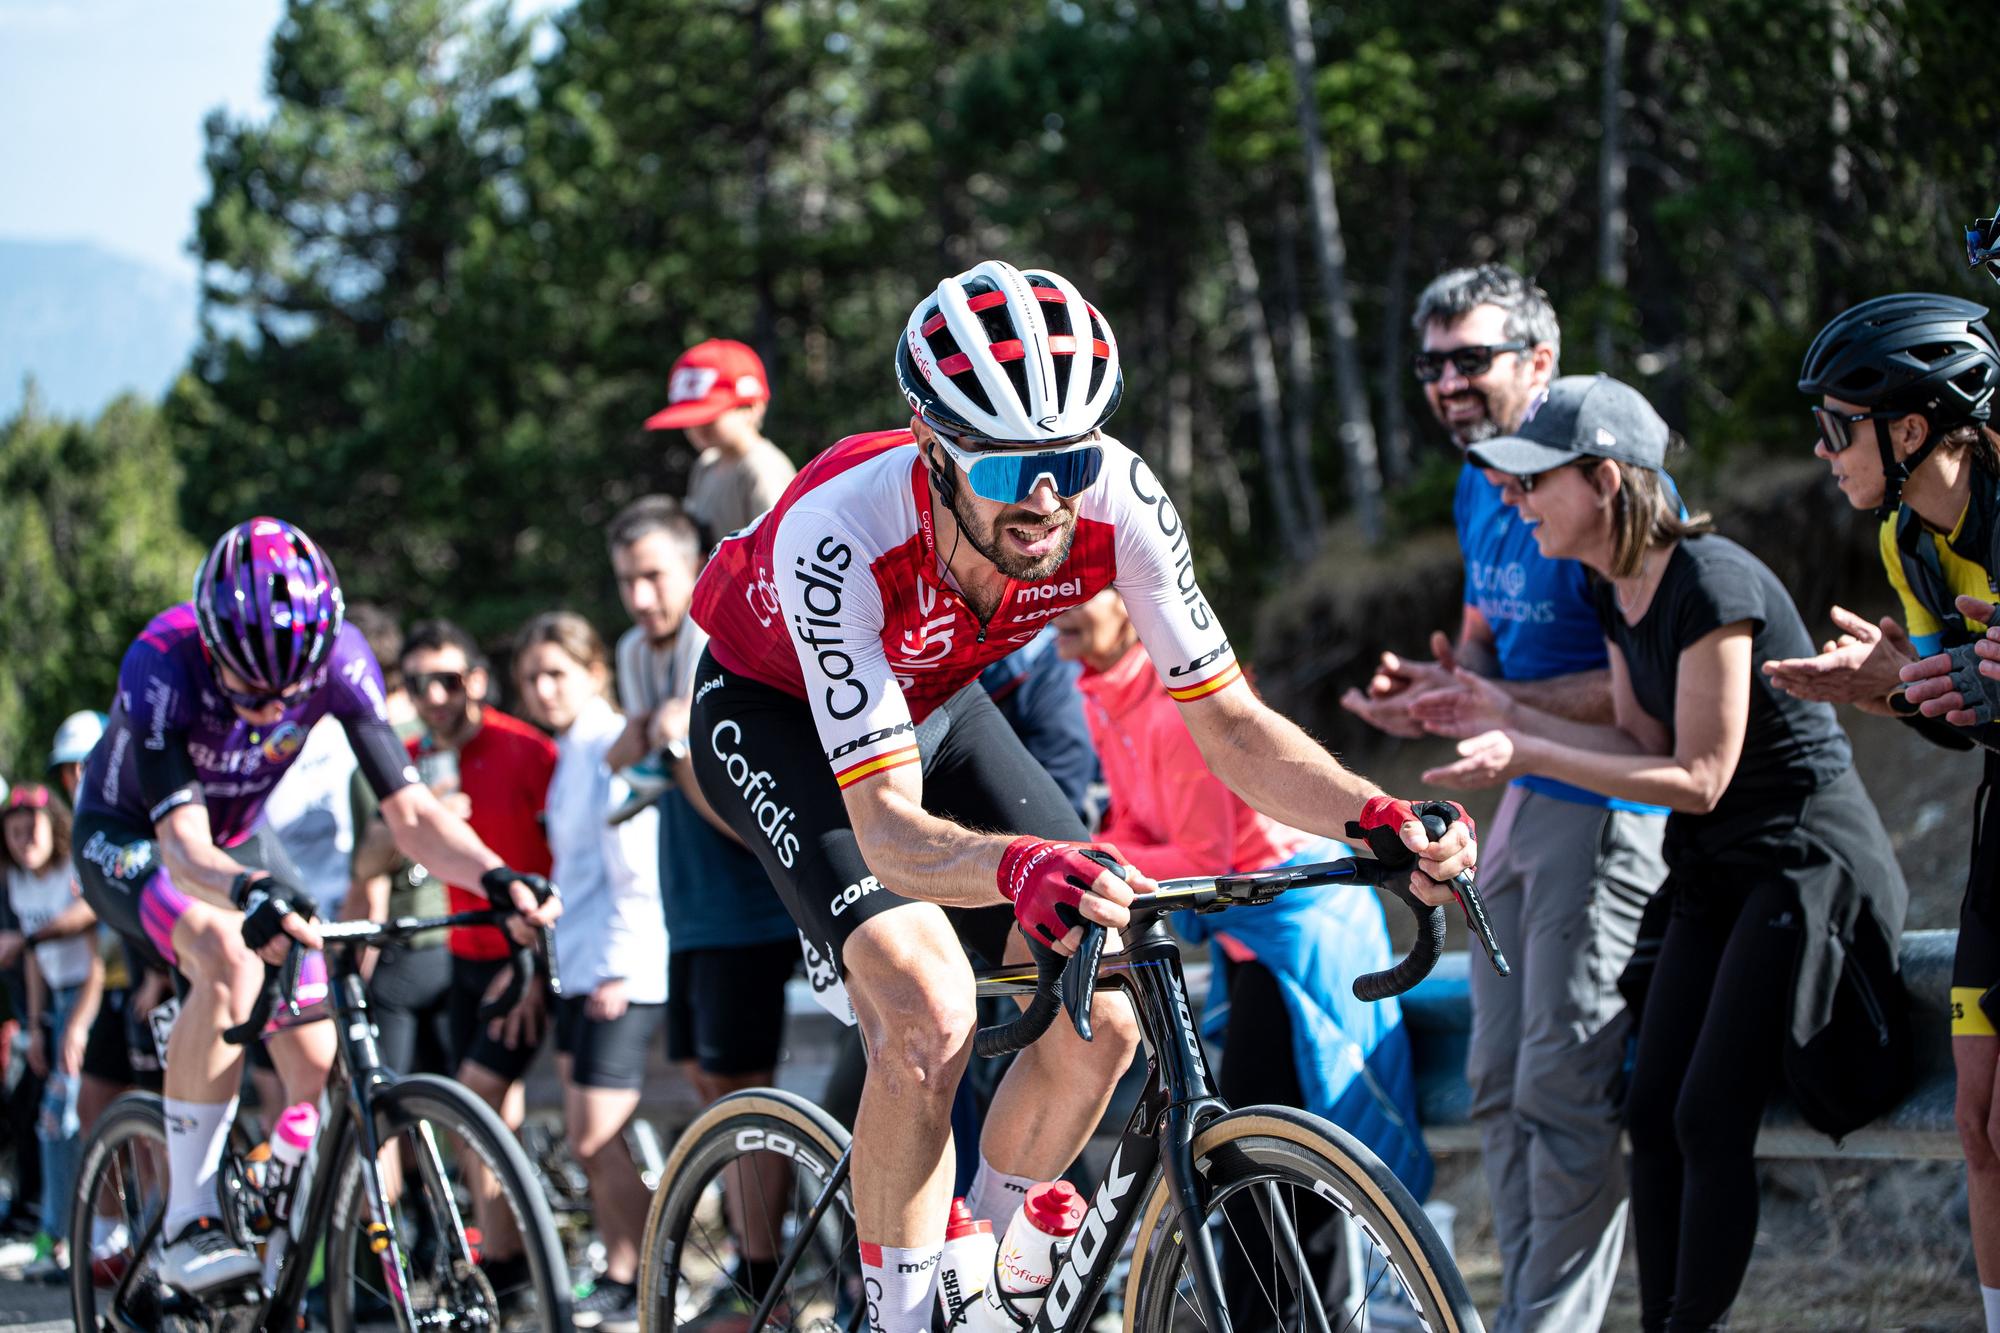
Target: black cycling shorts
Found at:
1975, 968
726, 1007
470, 1039
606, 1055
116, 861
976, 773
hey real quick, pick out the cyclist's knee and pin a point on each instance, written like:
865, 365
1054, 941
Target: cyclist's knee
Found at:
1114, 1033
913, 993
212, 956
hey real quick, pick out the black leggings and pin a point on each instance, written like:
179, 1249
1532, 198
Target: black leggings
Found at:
1711, 1039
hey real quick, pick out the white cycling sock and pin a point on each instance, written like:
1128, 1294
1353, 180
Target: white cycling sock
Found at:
898, 1285
196, 1133
1991, 1297
995, 1195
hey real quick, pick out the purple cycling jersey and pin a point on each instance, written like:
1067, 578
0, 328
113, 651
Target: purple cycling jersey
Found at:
173, 739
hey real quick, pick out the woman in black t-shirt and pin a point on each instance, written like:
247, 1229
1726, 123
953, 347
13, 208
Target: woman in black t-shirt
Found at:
1782, 896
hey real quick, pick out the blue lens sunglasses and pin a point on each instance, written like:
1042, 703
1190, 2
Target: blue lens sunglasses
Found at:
1008, 473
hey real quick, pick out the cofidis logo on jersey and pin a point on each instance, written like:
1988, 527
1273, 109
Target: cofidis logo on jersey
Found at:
287, 740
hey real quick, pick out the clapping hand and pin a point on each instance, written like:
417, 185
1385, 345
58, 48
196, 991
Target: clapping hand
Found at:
1397, 684
1859, 667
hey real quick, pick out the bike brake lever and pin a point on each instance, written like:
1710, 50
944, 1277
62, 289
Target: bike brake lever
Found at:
1079, 978
1474, 907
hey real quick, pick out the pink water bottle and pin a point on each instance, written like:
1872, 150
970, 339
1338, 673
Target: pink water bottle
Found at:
1048, 1218
289, 1142
966, 1265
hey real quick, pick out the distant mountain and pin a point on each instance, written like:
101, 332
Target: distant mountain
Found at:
88, 324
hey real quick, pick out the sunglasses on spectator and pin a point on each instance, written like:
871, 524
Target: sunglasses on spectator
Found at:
1982, 245
420, 682
28, 796
1833, 432
1471, 361
1533, 479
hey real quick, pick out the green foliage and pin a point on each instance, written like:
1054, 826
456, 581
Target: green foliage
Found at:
93, 552
446, 279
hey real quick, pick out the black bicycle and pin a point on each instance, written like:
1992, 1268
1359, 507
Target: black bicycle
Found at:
1218, 1206
414, 1205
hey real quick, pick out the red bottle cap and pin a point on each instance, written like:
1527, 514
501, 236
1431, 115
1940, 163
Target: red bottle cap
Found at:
1055, 1208
963, 1223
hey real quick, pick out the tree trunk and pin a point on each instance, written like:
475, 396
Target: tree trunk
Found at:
1357, 431
1610, 180
1298, 373
1395, 368
764, 327
1270, 407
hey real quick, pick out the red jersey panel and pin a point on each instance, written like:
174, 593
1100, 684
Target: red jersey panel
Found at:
504, 771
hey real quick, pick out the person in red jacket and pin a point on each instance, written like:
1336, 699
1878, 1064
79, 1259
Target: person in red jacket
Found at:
493, 770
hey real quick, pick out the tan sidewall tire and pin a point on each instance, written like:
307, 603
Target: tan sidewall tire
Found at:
1307, 1131
810, 1122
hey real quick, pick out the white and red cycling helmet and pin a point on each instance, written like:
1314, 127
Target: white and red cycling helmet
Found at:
1011, 356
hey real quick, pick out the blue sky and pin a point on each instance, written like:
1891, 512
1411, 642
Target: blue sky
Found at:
103, 101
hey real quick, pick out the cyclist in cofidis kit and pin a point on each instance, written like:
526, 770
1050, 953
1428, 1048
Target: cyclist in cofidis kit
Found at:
215, 698
839, 728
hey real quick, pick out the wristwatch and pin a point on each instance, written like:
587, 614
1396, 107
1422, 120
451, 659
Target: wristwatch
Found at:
675, 750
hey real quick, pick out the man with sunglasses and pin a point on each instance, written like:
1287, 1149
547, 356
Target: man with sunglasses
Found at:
1566, 872
839, 727
214, 700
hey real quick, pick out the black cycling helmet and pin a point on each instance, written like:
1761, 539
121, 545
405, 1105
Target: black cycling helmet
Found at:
1912, 352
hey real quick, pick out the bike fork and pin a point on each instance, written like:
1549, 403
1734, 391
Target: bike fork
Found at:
1185, 1189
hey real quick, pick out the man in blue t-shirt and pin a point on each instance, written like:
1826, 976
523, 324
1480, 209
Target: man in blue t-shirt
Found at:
1566, 872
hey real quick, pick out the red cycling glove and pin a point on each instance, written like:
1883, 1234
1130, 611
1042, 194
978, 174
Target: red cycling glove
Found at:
1389, 813
1046, 880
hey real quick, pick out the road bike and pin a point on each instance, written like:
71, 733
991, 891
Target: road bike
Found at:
1205, 1200
383, 1214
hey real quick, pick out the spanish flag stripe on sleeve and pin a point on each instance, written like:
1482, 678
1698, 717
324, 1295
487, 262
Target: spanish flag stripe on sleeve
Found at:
1221, 678
881, 763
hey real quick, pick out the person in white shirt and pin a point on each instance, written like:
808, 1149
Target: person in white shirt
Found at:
312, 812
611, 947
65, 984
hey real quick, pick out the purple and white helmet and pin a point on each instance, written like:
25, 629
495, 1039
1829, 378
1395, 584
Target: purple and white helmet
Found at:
268, 604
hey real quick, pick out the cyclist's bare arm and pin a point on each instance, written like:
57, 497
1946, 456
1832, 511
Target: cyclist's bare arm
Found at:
924, 857
198, 867
446, 845
1267, 760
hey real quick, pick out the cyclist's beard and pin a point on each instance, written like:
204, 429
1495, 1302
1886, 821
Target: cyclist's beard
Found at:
993, 543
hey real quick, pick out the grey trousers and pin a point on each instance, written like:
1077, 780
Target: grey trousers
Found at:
1565, 884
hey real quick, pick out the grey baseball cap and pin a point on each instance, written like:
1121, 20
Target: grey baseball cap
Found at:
1582, 415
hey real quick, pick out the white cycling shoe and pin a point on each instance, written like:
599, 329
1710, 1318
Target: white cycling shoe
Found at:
203, 1258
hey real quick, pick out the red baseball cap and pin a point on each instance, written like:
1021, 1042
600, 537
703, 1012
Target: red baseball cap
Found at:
708, 380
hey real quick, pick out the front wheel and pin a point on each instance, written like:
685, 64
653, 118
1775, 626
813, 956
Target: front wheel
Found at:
738, 1190
1299, 1215
469, 1241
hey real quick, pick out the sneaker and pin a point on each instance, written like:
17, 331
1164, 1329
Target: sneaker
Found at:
611, 1307
50, 1264
203, 1257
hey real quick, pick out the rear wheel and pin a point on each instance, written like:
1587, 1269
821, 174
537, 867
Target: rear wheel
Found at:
742, 1181
440, 1247
1304, 1222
